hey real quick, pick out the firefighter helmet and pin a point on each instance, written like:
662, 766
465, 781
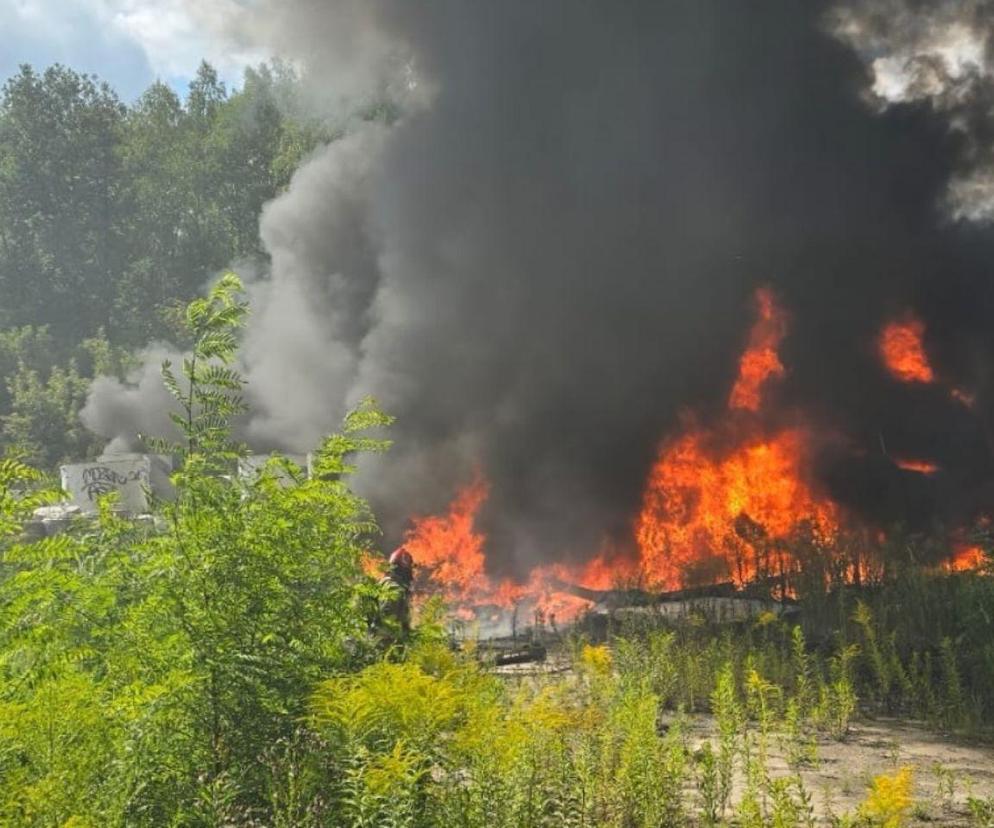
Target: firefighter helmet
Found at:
401, 559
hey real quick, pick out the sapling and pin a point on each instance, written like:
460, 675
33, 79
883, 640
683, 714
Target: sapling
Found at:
708, 784
945, 785
838, 697
953, 707
730, 719
802, 668
760, 697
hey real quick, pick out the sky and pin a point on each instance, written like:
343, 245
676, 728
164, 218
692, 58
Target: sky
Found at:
128, 43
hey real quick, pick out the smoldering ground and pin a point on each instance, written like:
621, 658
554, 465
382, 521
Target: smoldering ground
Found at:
548, 251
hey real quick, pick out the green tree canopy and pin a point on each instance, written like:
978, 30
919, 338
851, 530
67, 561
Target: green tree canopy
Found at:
112, 216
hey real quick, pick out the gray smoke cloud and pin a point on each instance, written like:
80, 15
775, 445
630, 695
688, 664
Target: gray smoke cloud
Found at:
121, 411
551, 251
302, 351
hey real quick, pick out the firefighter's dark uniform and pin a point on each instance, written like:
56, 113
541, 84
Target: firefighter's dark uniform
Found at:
395, 608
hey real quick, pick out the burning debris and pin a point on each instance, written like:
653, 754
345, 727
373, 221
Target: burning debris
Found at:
902, 349
698, 502
719, 506
917, 466
966, 559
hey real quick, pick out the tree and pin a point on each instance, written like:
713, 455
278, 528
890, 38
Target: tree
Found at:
44, 386
111, 218
59, 188
43, 425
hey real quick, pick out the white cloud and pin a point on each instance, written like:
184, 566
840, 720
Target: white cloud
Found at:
177, 34
128, 43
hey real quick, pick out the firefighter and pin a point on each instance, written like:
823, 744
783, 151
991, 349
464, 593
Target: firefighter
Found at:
395, 610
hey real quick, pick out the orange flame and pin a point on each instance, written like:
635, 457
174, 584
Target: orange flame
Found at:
902, 350
448, 551
761, 360
450, 548
966, 559
705, 514
708, 514
721, 515
919, 466
720, 501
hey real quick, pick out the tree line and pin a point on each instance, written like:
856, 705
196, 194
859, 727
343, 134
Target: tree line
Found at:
114, 215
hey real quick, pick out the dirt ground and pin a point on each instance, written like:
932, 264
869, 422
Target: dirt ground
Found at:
946, 771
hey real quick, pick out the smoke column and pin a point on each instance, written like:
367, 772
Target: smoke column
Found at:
552, 250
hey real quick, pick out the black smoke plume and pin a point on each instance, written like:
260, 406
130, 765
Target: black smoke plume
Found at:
548, 250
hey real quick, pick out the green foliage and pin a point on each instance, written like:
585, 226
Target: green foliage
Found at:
730, 720
112, 216
436, 742
60, 203
709, 785
649, 659
837, 702
148, 673
24, 347
21, 492
211, 396
43, 424
40, 399
112, 213
981, 812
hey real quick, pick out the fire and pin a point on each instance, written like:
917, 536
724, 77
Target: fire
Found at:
761, 360
706, 514
449, 554
450, 547
721, 515
721, 500
967, 559
709, 513
902, 350
918, 466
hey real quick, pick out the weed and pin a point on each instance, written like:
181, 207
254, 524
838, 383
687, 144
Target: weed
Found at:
837, 697
945, 785
709, 784
730, 719
889, 800
981, 812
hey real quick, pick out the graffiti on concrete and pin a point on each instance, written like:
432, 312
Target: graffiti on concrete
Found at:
101, 480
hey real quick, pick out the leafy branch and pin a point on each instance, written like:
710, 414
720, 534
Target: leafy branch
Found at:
210, 391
